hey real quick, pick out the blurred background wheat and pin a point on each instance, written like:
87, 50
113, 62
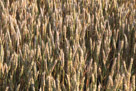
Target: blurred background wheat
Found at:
67, 45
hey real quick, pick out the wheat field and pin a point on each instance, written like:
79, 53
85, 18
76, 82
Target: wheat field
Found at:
67, 45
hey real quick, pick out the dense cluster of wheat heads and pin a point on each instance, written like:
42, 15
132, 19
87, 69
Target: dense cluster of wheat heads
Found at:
67, 45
